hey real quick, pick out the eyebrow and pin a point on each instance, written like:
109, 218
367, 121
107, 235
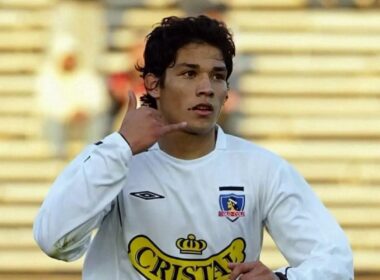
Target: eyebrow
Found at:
196, 66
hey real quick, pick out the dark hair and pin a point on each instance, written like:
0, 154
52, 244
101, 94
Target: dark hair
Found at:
172, 34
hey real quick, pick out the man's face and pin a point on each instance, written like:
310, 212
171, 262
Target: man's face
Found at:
69, 62
195, 88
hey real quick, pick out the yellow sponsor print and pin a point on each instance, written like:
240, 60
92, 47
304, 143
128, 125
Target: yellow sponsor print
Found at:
154, 264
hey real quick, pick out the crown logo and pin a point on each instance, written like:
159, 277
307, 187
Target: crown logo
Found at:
191, 245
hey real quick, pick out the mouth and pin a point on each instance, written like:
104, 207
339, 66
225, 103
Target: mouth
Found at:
202, 107
202, 110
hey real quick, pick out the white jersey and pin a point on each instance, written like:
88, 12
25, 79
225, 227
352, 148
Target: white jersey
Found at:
160, 217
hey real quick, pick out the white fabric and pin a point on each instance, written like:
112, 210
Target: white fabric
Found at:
98, 190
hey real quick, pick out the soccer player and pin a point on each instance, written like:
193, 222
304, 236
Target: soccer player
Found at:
159, 190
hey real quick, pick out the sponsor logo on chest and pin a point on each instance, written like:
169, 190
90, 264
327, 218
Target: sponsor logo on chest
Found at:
154, 264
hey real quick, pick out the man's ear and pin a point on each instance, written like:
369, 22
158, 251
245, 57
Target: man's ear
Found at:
152, 86
225, 98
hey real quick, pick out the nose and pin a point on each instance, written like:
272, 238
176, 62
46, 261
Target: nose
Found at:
205, 87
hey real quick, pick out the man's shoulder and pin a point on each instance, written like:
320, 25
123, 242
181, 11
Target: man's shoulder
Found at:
236, 144
238, 141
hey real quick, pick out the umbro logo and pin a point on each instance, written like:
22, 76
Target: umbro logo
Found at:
147, 195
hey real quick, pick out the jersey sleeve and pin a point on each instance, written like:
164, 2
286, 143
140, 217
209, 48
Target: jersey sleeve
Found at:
81, 197
305, 232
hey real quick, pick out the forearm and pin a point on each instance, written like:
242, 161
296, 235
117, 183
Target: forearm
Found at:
80, 197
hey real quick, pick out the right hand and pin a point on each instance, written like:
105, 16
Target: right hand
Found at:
142, 127
251, 270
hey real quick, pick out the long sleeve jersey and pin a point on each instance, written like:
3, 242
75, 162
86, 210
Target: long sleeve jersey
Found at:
160, 217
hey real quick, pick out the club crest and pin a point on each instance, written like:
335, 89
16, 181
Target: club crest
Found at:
232, 206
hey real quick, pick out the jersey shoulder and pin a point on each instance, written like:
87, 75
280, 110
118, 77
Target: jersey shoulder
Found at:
250, 149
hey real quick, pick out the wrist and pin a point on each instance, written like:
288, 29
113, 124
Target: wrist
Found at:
125, 139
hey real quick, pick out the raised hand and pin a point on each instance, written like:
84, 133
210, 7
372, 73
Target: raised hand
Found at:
142, 127
251, 271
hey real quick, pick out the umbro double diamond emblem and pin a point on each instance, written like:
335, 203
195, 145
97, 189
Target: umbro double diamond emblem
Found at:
147, 195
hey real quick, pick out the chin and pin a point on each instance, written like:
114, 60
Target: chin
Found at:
200, 130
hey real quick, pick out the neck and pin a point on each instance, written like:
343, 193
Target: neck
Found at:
188, 146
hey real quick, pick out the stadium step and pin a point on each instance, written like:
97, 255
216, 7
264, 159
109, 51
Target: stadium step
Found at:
17, 84
308, 127
19, 62
317, 64
313, 150
296, 106
27, 4
302, 85
21, 40
307, 42
17, 19
30, 170
328, 21
24, 127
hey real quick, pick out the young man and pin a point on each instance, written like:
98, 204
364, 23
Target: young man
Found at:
173, 197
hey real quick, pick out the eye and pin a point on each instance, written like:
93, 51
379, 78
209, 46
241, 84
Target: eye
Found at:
189, 74
219, 76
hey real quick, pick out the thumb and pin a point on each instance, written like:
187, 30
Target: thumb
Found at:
232, 265
131, 101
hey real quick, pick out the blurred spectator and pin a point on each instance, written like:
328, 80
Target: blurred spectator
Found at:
70, 95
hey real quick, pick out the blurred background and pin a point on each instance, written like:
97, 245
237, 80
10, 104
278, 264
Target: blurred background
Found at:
306, 85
